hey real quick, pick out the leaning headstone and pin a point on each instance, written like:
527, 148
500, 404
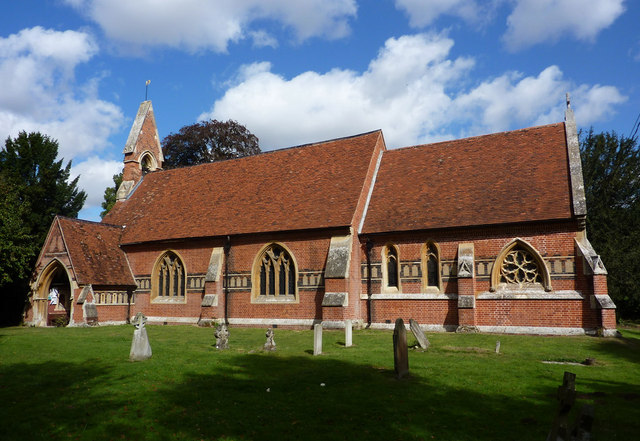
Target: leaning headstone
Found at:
222, 337
140, 347
498, 347
348, 333
400, 352
270, 344
317, 339
417, 332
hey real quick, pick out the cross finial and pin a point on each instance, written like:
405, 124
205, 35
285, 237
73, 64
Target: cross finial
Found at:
146, 89
568, 101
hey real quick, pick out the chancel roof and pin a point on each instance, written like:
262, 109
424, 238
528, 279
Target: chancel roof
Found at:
517, 176
95, 253
309, 187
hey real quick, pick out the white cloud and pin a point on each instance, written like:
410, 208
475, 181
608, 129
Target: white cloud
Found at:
205, 24
424, 12
39, 91
537, 21
95, 175
409, 91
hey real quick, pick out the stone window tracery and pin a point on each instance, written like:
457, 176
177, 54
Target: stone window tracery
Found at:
170, 276
519, 267
276, 273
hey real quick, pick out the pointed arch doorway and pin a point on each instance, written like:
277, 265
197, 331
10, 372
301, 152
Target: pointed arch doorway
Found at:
52, 305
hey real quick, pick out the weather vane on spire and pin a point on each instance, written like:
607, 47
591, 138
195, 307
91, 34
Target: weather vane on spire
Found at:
146, 89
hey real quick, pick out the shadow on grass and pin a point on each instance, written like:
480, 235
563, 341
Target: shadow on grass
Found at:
261, 397
52, 400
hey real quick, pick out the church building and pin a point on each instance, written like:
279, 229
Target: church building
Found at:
479, 234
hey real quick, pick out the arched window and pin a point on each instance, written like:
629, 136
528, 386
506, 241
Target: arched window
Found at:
431, 266
147, 163
392, 267
170, 277
519, 266
275, 275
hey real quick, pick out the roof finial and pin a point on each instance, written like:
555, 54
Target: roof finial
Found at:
568, 101
146, 89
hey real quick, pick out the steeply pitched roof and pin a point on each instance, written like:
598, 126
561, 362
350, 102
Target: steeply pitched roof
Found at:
94, 252
516, 176
308, 187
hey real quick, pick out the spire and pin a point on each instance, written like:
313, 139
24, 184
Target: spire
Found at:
142, 151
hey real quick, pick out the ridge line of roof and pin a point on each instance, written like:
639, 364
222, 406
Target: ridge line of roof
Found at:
486, 135
271, 151
88, 221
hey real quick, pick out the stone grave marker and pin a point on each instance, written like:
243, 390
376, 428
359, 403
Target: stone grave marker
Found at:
400, 351
566, 398
270, 344
222, 337
140, 347
423, 342
498, 347
348, 333
317, 339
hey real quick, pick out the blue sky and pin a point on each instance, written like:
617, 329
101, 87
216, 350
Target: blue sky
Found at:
299, 71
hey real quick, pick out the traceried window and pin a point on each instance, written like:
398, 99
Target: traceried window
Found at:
392, 266
170, 275
276, 273
432, 263
520, 268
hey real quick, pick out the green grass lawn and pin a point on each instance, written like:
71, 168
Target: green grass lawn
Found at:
78, 383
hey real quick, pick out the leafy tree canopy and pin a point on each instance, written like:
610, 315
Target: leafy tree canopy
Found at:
611, 170
110, 194
34, 187
208, 141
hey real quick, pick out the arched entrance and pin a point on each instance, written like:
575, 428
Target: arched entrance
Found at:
52, 301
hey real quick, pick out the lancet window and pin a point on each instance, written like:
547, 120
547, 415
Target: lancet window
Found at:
392, 267
432, 264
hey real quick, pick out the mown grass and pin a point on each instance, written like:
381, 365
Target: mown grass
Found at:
77, 383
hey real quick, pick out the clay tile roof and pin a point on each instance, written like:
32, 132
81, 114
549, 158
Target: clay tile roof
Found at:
95, 255
505, 177
306, 187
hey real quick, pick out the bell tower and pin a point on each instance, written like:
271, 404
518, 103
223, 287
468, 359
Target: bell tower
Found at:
142, 152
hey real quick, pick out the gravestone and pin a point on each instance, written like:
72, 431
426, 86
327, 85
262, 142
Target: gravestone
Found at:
348, 333
270, 344
498, 347
566, 398
400, 351
423, 342
222, 337
140, 347
317, 339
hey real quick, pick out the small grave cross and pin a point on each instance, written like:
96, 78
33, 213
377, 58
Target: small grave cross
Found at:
222, 337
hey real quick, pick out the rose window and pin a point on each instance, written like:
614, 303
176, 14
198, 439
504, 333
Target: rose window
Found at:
520, 267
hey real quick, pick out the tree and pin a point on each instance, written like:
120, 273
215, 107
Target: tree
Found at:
611, 170
110, 194
34, 188
208, 141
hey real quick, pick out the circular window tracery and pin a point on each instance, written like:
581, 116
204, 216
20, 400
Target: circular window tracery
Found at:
519, 267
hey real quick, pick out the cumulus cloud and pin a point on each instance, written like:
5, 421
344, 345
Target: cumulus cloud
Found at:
408, 91
204, 24
96, 174
424, 12
537, 21
39, 91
